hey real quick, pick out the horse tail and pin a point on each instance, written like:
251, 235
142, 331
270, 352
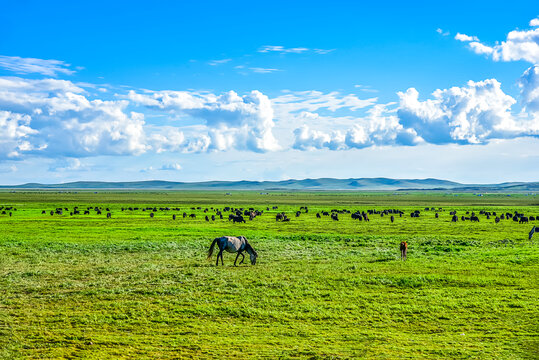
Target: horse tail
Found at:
210, 251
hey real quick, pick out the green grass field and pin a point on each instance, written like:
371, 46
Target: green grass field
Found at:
135, 287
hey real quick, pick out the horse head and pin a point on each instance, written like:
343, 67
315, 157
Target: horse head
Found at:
252, 253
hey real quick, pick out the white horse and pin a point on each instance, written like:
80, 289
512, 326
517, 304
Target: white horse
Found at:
233, 245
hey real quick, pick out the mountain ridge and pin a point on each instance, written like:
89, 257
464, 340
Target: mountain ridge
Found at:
380, 183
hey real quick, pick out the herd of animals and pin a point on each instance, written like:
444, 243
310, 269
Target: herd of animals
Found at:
238, 215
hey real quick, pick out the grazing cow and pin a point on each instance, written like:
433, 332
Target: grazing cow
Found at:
238, 218
318, 215
404, 250
207, 218
523, 219
334, 217
436, 215
152, 215
280, 216
213, 218
455, 218
393, 218
474, 218
43, 212
109, 215
192, 216
174, 217
497, 220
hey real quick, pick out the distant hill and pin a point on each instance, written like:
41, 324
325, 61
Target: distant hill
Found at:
292, 184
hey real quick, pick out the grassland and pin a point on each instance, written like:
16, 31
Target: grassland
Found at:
135, 287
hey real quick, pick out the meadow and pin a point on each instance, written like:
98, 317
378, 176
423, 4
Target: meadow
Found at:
135, 287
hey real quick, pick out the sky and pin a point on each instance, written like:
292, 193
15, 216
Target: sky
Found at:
196, 91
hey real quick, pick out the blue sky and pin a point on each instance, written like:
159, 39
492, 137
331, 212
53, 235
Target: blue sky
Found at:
236, 90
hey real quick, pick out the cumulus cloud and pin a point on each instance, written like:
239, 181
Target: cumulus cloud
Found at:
529, 89
231, 121
21, 65
55, 118
380, 127
67, 164
465, 38
171, 167
519, 45
15, 132
472, 114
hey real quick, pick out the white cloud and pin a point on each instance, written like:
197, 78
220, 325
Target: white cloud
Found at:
519, 45
465, 38
57, 119
379, 128
323, 51
297, 50
218, 62
30, 65
365, 88
15, 131
315, 100
441, 32
8, 169
230, 120
473, 114
67, 164
171, 167
529, 89
260, 70
282, 49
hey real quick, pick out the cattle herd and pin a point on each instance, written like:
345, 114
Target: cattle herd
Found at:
239, 215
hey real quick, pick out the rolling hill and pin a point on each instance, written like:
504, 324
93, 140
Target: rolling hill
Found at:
292, 184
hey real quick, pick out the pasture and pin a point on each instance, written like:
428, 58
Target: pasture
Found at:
135, 286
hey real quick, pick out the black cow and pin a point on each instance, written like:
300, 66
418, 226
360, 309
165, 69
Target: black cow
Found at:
238, 218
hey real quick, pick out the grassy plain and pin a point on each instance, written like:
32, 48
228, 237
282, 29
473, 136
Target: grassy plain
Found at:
135, 287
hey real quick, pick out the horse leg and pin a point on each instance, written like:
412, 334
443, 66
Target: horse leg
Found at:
222, 262
243, 258
221, 255
237, 258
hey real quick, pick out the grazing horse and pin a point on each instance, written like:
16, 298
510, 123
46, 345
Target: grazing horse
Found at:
233, 245
404, 250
